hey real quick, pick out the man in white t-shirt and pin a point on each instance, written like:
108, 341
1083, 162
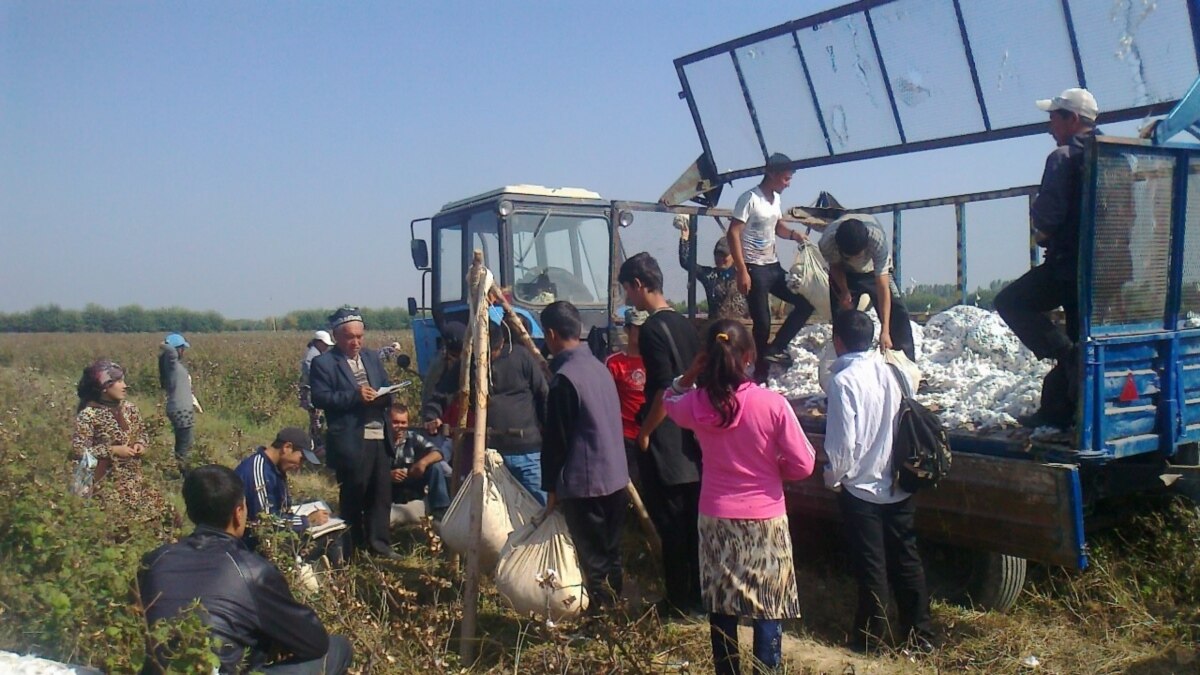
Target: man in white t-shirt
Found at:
757, 221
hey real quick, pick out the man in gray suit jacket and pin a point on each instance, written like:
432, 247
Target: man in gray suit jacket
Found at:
358, 444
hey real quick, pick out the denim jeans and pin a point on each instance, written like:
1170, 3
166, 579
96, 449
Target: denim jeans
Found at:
527, 469
768, 644
335, 662
433, 486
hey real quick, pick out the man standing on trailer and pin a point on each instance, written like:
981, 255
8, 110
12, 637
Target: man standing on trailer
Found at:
1025, 303
757, 221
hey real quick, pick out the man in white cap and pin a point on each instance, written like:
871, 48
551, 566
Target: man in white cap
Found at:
1025, 303
319, 344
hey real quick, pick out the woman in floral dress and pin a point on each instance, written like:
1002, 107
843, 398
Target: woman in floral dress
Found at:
110, 427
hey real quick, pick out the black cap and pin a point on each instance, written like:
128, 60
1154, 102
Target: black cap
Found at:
299, 440
454, 332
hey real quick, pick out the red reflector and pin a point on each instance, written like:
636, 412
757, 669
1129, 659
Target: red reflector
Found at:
1129, 392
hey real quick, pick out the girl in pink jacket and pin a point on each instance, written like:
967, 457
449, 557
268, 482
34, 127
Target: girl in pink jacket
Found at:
751, 443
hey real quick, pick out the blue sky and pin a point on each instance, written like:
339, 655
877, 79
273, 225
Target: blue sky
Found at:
255, 158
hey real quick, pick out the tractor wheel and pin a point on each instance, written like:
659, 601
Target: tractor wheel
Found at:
978, 579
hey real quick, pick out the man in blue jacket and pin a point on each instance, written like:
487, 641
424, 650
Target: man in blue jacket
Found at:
264, 476
358, 444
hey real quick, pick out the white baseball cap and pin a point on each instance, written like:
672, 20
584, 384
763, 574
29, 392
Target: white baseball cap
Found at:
323, 336
1079, 101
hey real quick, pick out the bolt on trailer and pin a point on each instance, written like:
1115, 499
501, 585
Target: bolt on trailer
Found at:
880, 78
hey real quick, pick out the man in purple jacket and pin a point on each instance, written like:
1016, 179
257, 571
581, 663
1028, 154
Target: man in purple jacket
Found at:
584, 471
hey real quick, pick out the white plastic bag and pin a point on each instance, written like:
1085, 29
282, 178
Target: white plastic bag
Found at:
85, 472
506, 507
809, 277
539, 571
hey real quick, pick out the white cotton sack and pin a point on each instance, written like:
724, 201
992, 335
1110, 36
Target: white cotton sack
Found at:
539, 571
809, 277
506, 507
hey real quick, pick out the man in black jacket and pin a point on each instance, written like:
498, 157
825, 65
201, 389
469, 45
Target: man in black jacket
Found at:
358, 444
246, 602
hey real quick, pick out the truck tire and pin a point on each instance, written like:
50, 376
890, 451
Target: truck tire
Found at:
980, 579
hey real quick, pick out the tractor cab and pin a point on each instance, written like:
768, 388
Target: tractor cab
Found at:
543, 244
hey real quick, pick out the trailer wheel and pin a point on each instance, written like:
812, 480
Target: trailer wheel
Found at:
979, 579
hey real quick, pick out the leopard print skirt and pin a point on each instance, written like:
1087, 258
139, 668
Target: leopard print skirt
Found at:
746, 568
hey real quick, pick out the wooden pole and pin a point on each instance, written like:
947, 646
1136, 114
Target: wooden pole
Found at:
635, 499
481, 352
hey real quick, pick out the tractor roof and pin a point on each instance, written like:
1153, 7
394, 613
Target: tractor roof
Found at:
565, 193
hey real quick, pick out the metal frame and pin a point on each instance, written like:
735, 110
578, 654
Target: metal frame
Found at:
863, 7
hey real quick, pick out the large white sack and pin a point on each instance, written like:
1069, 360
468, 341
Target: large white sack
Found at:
809, 277
506, 506
539, 570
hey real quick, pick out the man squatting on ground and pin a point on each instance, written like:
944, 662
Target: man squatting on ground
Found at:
247, 604
584, 469
860, 263
757, 221
668, 457
864, 399
358, 444
1024, 304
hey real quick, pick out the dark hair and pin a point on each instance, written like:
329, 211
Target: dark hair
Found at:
644, 268
728, 347
851, 237
563, 318
95, 379
496, 334
398, 406
855, 329
1068, 114
212, 493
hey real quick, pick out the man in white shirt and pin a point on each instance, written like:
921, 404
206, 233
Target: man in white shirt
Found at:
757, 221
860, 263
864, 400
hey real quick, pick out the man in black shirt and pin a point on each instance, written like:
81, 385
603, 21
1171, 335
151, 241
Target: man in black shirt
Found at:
1024, 303
670, 459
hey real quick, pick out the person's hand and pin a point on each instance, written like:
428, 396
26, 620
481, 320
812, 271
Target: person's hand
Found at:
643, 441
138, 448
885, 340
551, 504
798, 236
434, 426
122, 451
843, 301
318, 517
368, 394
417, 470
399, 475
743, 281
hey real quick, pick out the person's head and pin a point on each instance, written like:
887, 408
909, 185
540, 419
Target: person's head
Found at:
214, 496
348, 330
851, 237
641, 277
178, 342
102, 382
634, 318
1071, 112
721, 256
778, 176
497, 336
398, 416
562, 326
853, 331
729, 353
322, 340
453, 335
293, 446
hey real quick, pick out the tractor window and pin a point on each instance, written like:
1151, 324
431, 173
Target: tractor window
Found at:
560, 256
450, 263
483, 229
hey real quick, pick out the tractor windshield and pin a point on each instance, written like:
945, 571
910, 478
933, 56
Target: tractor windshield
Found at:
560, 255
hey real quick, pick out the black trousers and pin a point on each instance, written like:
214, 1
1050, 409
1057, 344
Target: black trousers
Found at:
675, 512
596, 524
899, 326
335, 662
765, 281
883, 550
365, 489
1024, 304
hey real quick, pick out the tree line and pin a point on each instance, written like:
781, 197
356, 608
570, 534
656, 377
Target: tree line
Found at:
136, 319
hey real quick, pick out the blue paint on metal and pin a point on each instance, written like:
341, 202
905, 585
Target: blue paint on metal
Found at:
962, 31
758, 133
897, 234
812, 90
960, 220
1184, 115
887, 83
1077, 516
1066, 7
425, 339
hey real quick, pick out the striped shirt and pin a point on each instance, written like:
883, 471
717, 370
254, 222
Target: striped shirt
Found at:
877, 257
266, 490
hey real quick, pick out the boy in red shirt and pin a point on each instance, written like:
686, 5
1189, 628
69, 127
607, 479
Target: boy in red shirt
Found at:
630, 375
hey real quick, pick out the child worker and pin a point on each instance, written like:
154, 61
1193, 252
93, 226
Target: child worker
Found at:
629, 374
751, 442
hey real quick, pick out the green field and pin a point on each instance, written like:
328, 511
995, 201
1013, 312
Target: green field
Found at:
67, 568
